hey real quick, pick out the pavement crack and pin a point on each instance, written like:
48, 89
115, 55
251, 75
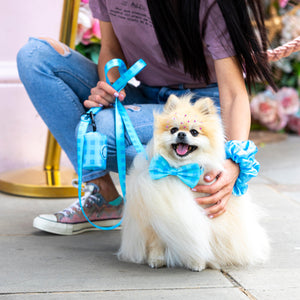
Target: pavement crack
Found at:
66, 292
238, 285
15, 235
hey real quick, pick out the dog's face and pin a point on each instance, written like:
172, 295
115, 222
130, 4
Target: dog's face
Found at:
184, 132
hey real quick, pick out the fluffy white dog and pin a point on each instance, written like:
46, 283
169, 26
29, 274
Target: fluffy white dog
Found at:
163, 225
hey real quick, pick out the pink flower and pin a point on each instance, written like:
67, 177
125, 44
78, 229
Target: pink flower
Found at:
289, 100
274, 110
294, 123
93, 34
267, 111
96, 29
88, 29
283, 3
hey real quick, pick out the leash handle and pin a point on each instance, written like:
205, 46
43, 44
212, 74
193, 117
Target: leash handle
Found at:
118, 85
121, 119
125, 75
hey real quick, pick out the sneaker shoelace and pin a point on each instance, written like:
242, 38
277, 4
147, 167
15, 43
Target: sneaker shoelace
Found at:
87, 198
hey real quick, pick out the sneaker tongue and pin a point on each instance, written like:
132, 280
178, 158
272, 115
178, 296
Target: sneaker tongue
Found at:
182, 149
93, 188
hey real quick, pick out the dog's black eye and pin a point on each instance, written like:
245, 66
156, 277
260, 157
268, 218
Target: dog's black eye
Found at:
194, 132
173, 130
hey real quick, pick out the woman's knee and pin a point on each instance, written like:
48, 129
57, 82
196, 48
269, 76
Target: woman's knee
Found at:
30, 56
36, 54
61, 48
105, 122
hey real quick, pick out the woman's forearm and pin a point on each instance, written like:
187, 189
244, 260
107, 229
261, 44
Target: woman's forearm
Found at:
105, 56
110, 49
234, 101
236, 118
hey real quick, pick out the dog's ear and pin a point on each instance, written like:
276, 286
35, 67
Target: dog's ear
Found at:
206, 106
171, 103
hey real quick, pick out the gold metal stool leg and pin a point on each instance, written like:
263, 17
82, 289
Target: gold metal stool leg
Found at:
52, 181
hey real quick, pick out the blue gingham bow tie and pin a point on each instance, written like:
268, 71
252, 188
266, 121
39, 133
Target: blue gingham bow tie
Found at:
188, 174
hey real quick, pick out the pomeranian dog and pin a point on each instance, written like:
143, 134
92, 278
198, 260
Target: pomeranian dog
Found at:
163, 225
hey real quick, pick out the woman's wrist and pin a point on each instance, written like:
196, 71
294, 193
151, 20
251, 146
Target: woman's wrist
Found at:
242, 153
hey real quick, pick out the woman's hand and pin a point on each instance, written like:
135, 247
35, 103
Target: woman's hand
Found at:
103, 95
220, 191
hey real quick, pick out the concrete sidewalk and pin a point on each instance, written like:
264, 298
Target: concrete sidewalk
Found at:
37, 265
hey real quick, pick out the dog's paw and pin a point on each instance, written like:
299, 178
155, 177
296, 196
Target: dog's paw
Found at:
157, 262
156, 255
196, 266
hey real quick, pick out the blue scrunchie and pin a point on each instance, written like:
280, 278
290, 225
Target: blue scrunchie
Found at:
242, 153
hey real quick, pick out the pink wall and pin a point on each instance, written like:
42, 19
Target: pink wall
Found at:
22, 132
20, 19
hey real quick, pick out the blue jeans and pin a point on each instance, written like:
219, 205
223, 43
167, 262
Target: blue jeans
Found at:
58, 84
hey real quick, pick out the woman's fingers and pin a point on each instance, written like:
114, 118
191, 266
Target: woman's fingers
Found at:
210, 176
103, 100
103, 95
217, 203
218, 208
90, 104
212, 188
217, 214
218, 192
109, 90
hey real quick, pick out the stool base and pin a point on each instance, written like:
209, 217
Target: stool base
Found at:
39, 183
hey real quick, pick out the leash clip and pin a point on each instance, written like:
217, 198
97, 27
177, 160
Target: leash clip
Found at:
92, 120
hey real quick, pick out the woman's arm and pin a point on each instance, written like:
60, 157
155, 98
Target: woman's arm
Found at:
236, 117
234, 101
110, 48
103, 93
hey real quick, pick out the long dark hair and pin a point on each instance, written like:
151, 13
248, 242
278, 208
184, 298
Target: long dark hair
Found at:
176, 23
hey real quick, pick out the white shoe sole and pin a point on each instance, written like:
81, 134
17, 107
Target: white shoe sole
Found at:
70, 229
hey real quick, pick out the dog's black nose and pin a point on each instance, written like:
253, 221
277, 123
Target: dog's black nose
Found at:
181, 135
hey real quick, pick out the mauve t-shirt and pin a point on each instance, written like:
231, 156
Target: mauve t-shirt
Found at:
133, 27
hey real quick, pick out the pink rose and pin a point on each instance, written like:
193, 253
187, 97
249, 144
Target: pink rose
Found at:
294, 123
288, 100
88, 28
283, 3
267, 111
93, 34
96, 29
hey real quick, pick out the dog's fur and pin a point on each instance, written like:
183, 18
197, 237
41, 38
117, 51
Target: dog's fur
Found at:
163, 225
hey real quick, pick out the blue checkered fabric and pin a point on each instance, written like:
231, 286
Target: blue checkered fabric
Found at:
188, 174
94, 151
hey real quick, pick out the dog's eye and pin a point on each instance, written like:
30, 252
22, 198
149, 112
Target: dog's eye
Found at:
194, 132
173, 130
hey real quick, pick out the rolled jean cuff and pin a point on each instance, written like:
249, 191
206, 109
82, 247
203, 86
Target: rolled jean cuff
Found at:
92, 175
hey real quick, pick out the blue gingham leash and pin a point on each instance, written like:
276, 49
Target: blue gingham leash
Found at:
121, 119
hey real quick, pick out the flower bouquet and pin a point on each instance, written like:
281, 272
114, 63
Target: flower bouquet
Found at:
88, 37
280, 111
277, 111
